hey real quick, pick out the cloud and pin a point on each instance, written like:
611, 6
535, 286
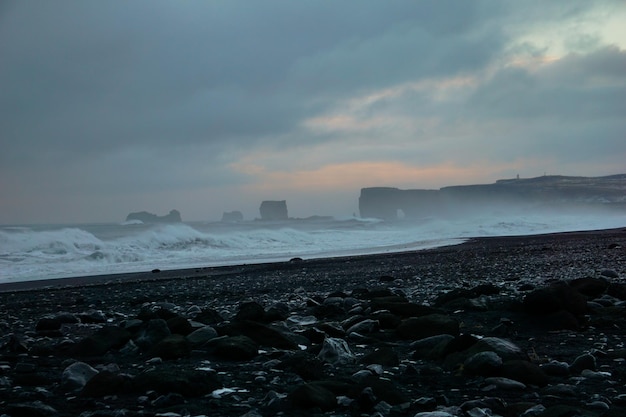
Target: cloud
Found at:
136, 100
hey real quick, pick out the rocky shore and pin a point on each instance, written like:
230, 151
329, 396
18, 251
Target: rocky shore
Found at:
518, 326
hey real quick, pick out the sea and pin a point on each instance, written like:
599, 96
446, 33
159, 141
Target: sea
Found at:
36, 252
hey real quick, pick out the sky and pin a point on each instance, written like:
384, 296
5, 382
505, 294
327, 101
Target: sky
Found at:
210, 106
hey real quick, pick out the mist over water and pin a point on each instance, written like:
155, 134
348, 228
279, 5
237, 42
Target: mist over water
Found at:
52, 251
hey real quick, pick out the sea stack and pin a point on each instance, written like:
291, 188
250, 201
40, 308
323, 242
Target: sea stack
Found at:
274, 210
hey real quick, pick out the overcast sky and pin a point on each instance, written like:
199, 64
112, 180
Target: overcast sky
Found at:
108, 107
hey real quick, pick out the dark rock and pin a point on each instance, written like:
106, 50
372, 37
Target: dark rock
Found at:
590, 287
385, 356
202, 335
92, 316
560, 320
328, 311
104, 383
331, 330
250, 310
386, 320
555, 368
494, 404
262, 334
486, 363
151, 332
582, 362
460, 343
403, 309
33, 409
364, 327
425, 326
524, 371
309, 396
76, 375
189, 383
385, 390
168, 400
46, 324
106, 338
174, 346
237, 348
304, 365
179, 325
277, 312
366, 400
609, 273
553, 299
208, 316
433, 347
336, 351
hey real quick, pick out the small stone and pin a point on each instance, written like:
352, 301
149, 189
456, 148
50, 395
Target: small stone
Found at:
598, 405
596, 375
609, 273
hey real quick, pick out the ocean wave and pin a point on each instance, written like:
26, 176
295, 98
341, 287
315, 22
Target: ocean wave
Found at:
37, 253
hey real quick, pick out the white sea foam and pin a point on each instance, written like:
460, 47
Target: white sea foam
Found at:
40, 252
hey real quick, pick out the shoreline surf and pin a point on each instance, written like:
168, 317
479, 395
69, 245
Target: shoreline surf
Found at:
159, 275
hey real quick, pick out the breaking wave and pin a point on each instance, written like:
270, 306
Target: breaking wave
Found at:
40, 252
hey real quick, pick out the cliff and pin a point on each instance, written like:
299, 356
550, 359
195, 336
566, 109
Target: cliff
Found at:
548, 191
145, 217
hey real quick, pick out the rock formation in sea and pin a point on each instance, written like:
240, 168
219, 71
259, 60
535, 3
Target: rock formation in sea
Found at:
274, 210
548, 191
232, 216
145, 217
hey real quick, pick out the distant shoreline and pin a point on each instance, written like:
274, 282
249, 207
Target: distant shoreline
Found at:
224, 270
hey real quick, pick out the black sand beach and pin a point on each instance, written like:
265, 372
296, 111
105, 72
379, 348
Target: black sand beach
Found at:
510, 326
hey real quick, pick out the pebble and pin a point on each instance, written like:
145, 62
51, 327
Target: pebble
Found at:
359, 348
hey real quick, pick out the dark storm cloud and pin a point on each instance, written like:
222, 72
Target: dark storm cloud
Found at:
94, 76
